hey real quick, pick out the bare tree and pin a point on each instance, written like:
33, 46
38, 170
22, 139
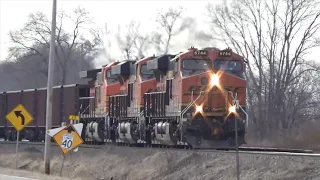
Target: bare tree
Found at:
36, 33
275, 38
168, 20
134, 44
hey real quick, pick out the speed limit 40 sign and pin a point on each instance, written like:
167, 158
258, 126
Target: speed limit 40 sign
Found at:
67, 139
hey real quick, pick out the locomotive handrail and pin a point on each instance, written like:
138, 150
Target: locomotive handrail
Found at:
189, 105
84, 109
239, 107
81, 98
90, 97
247, 118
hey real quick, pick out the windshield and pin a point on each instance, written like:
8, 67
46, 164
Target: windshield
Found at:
146, 73
229, 66
111, 78
193, 66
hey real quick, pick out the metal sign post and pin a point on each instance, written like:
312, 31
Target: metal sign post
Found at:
19, 117
237, 149
235, 104
17, 147
67, 138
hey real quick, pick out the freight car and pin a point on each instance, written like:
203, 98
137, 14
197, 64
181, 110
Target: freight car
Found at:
65, 102
175, 100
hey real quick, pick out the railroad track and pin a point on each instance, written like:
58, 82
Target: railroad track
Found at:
242, 150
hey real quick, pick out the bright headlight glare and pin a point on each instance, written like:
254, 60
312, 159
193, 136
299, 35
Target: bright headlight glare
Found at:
198, 108
232, 109
215, 80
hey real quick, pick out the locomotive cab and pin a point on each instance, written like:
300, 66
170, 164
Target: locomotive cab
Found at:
123, 71
111, 83
144, 83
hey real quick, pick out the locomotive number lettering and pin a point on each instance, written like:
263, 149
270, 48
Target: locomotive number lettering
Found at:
225, 53
200, 53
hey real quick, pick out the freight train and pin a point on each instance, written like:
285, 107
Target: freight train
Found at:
194, 98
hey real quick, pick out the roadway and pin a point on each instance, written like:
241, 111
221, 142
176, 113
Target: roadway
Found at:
7, 177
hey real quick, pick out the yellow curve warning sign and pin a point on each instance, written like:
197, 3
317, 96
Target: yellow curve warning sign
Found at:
19, 117
68, 139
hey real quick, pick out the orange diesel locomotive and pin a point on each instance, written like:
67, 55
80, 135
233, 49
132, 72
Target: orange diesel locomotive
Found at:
200, 96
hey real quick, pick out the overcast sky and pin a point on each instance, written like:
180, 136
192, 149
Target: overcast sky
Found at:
13, 14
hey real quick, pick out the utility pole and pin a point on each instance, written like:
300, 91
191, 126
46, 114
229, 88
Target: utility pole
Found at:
47, 147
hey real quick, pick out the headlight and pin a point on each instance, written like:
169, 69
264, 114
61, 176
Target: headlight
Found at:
214, 80
198, 108
232, 109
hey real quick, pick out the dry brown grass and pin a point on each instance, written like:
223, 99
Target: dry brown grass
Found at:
307, 136
122, 163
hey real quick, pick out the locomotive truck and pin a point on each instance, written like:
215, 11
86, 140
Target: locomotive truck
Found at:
192, 98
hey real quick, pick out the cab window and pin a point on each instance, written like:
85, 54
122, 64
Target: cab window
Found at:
110, 77
194, 66
145, 73
233, 67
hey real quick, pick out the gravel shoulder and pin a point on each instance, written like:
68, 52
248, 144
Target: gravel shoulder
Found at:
125, 163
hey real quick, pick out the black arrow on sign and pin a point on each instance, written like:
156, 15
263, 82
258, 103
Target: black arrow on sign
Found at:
70, 129
18, 114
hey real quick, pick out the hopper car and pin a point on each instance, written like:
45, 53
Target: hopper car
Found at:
193, 98
66, 101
